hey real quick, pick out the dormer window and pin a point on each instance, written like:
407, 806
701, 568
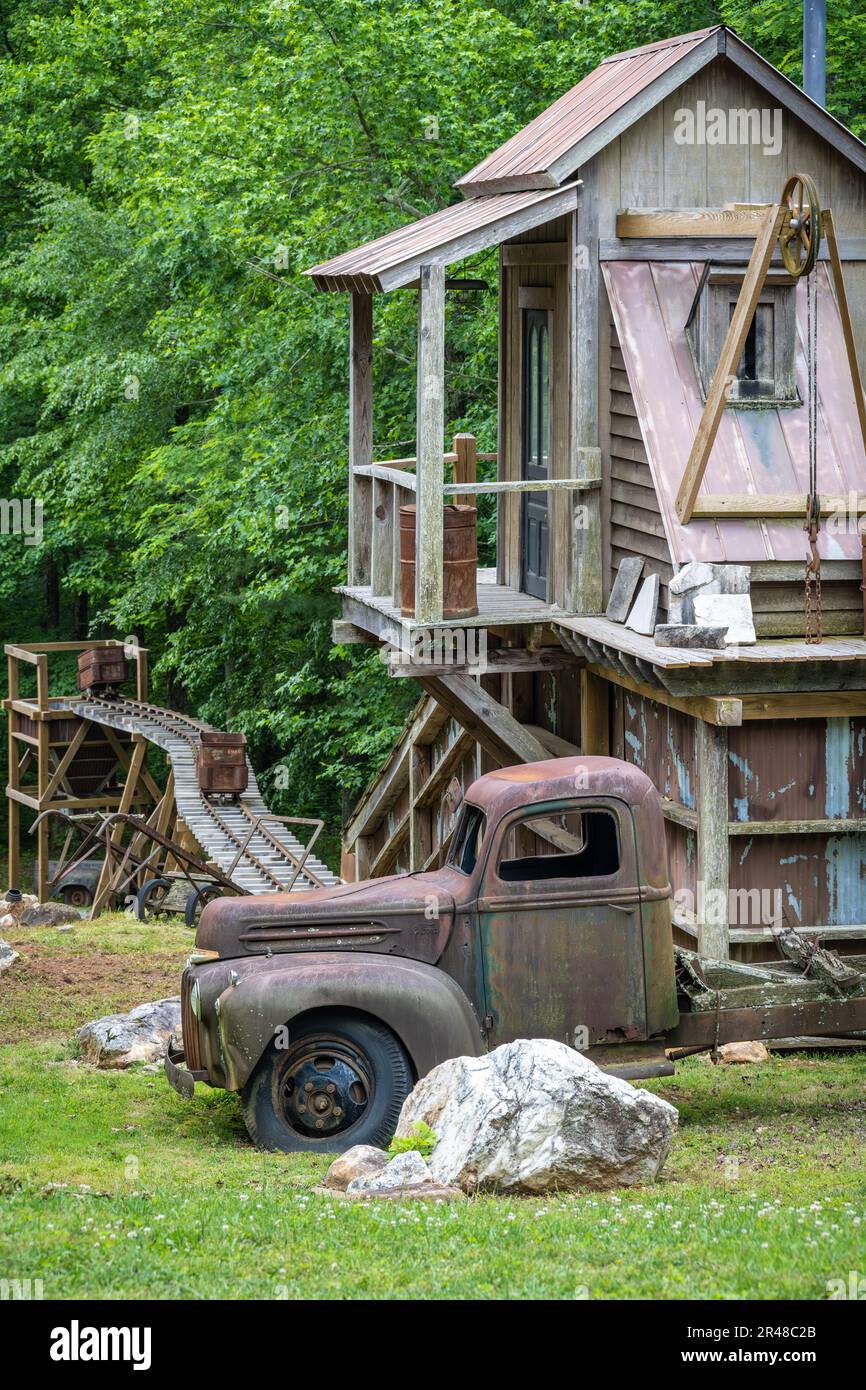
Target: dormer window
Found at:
766, 374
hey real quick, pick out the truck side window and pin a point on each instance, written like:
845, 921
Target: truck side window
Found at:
468, 839
572, 844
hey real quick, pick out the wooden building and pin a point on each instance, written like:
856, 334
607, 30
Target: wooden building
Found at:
632, 217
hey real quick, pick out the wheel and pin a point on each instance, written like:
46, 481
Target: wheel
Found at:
196, 900
149, 899
76, 895
341, 1080
800, 237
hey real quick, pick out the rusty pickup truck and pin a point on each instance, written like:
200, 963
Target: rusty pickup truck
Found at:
550, 917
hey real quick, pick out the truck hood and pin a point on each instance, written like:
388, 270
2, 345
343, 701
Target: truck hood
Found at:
405, 914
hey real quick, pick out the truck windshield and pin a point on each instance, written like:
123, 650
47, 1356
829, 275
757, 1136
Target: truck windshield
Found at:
468, 839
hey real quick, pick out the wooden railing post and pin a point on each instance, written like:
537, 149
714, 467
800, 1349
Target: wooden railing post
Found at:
465, 467
382, 539
430, 429
360, 436
585, 587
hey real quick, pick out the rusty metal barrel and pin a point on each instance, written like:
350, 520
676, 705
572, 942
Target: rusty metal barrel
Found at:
459, 560
221, 763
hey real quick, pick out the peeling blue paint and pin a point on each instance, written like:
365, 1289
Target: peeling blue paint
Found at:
684, 781
745, 854
838, 751
844, 858
634, 744
741, 807
793, 858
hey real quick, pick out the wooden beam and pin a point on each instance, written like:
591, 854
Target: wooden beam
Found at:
536, 253
691, 222
828, 704
360, 435
430, 418
345, 634
711, 752
773, 506
489, 722
719, 250
829, 229
584, 588
724, 711
732, 351
594, 714
510, 660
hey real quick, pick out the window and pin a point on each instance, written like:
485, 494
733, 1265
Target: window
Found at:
767, 368
571, 844
468, 839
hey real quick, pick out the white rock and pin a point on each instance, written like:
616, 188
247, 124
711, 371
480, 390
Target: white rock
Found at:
733, 579
142, 1035
642, 617
691, 576
738, 1052
7, 921
733, 611
361, 1161
405, 1170
534, 1116
8, 956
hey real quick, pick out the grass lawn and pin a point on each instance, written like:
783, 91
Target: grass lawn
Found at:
111, 1186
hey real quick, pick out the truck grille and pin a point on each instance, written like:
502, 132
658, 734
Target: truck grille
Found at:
189, 1024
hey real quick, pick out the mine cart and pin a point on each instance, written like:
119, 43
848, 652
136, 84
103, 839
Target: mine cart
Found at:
221, 763
551, 917
101, 669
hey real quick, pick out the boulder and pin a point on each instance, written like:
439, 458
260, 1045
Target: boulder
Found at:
536, 1116
738, 1052
47, 915
142, 1035
361, 1161
13, 907
8, 956
405, 1170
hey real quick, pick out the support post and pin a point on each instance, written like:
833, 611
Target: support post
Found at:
360, 436
420, 843
712, 794
594, 715
430, 431
13, 807
382, 541
584, 591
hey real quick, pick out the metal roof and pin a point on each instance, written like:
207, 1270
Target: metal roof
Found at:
756, 451
529, 157
621, 90
463, 229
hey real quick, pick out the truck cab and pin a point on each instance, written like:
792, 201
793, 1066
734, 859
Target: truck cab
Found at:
549, 918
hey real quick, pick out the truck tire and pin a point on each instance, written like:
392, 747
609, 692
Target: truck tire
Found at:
338, 1079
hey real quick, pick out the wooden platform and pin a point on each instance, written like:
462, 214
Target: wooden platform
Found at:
621, 638
499, 605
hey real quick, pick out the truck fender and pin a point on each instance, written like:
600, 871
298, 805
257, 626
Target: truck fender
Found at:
424, 1007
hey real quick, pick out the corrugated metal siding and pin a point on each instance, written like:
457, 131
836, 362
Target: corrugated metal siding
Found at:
755, 450
532, 151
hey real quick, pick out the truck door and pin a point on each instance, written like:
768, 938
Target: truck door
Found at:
560, 926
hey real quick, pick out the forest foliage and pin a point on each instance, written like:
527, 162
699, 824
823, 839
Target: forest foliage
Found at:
173, 388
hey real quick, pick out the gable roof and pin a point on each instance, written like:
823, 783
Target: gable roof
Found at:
621, 90
464, 228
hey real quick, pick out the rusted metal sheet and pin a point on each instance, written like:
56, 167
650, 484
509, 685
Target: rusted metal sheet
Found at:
392, 260
221, 762
101, 667
532, 152
755, 451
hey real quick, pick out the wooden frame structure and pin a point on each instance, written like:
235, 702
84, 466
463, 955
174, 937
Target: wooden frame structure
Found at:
46, 740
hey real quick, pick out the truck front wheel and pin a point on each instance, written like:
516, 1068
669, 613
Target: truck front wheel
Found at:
338, 1079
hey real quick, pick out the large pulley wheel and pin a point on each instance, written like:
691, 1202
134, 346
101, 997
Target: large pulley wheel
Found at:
800, 237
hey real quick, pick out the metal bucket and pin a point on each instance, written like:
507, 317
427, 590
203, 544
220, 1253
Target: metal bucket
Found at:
459, 561
101, 666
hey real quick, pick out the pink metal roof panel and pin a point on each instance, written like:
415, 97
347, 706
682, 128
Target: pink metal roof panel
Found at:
530, 153
483, 221
755, 451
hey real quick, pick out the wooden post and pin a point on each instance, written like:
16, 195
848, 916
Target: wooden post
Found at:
584, 590
420, 839
360, 436
141, 681
13, 807
829, 229
430, 431
382, 540
465, 467
594, 715
712, 796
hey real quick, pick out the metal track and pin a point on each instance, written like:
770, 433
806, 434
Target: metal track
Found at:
265, 861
